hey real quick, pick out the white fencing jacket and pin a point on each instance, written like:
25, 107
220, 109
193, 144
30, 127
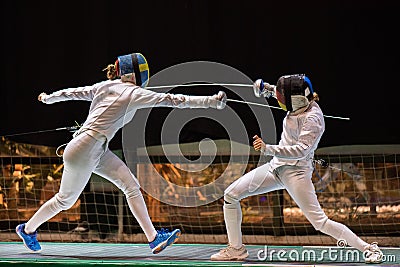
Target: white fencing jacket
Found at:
114, 103
300, 137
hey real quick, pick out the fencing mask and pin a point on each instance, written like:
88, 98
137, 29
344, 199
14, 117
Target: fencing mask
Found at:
292, 91
133, 68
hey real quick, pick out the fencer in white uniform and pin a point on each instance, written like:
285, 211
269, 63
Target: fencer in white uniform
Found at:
291, 168
113, 104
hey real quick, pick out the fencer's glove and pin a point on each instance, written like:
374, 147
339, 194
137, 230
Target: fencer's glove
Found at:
264, 89
42, 97
218, 101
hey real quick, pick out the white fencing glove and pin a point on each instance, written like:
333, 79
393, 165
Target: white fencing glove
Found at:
218, 101
264, 89
42, 97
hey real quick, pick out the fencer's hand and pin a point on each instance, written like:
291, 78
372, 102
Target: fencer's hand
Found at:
258, 143
42, 97
258, 87
262, 88
218, 101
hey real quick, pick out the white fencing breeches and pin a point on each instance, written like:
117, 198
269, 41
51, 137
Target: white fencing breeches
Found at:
297, 182
82, 156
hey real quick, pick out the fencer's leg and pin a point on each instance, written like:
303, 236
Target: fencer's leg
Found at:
300, 187
257, 181
233, 220
81, 156
115, 170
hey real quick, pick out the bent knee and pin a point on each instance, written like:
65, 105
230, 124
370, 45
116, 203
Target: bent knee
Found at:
65, 201
130, 187
128, 184
132, 191
230, 201
320, 223
232, 194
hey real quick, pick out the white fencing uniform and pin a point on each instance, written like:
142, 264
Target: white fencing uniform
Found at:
291, 168
113, 104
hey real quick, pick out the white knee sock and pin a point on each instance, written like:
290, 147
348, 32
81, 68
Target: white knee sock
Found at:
340, 231
47, 211
233, 222
139, 210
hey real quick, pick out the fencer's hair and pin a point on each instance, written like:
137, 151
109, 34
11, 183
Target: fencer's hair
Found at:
313, 97
111, 71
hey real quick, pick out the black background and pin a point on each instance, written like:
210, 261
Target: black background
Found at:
349, 49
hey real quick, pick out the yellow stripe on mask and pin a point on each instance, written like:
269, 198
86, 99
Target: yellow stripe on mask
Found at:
143, 67
283, 106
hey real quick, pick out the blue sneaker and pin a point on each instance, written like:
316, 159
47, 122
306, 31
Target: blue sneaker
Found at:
163, 239
30, 240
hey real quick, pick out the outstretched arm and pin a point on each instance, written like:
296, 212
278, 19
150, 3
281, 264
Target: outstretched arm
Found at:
80, 93
143, 98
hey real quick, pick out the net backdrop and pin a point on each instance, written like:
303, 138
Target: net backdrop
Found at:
360, 188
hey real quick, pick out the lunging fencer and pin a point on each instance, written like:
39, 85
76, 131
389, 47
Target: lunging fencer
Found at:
113, 104
290, 168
